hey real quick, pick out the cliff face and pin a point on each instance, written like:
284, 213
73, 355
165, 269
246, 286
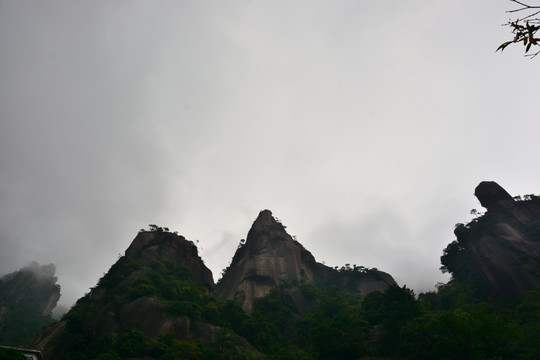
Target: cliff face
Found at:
503, 245
271, 257
154, 288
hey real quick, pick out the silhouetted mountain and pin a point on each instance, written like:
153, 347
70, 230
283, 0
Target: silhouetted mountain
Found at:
161, 295
159, 291
27, 297
158, 301
271, 257
498, 253
170, 248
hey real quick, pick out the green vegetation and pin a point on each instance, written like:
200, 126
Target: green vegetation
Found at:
335, 323
173, 286
22, 322
10, 354
300, 321
21, 308
391, 324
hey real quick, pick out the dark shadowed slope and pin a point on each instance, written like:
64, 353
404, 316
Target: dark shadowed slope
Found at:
499, 251
27, 298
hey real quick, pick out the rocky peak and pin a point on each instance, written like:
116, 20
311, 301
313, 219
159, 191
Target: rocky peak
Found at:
147, 289
265, 219
33, 281
27, 297
170, 247
492, 196
268, 233
270, 257
502, 246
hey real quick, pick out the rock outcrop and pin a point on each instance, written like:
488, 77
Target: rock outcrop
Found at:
145, 290
27, 297
161, 287
502, 247
170, 247
270, 257
34, 281
492, 196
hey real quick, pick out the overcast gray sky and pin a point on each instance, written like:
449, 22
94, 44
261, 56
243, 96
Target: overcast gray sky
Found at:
363, 125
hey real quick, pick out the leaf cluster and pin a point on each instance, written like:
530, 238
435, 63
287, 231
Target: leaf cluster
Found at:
524, 29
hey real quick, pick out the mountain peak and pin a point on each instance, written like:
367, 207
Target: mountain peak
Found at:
266, 231
270, 257
491, 195
266, 222
265, 217
170, 247
33, 281
149, 289
501, 248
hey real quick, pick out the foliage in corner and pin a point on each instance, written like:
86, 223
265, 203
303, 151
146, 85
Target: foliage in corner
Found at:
524, 29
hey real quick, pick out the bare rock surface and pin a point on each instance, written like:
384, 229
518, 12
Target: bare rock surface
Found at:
490, 194
270, 257
504, 244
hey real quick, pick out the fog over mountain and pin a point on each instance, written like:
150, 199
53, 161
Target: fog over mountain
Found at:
364, 127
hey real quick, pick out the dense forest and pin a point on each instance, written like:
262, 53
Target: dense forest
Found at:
460, 320
447, 324
450, 323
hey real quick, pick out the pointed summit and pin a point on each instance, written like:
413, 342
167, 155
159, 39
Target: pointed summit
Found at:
269, 233
172, 248
265, 217
270, 257
156, 288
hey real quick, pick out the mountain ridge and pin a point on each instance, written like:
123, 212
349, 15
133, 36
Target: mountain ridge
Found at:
159, 300
161, 286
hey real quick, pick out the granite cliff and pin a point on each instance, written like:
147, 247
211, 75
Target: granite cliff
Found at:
499, 250
271, 257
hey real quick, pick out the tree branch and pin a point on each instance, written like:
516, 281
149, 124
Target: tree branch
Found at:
524, 29
525, 6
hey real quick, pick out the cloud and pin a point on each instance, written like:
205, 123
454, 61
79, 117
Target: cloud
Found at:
364, 127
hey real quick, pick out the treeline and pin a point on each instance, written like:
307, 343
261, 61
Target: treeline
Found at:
340, 324
394, 324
